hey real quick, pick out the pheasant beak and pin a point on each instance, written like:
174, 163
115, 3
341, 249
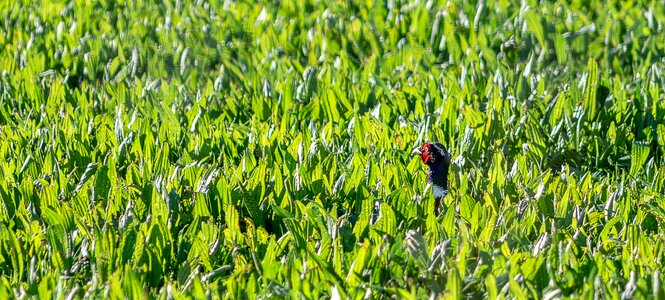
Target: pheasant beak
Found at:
416, 151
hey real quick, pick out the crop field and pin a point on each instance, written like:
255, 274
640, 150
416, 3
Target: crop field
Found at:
262, 149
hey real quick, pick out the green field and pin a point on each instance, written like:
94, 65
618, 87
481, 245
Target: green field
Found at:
233, 149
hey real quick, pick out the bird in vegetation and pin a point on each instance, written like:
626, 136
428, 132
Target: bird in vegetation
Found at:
437, 158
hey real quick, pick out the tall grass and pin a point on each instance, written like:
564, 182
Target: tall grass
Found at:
261, 149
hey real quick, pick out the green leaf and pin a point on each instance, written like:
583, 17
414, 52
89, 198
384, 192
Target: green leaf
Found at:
638, 156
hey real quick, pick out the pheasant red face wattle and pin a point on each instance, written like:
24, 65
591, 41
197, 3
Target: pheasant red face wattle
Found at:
425, 157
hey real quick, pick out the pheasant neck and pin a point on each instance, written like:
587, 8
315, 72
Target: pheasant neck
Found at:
438, 177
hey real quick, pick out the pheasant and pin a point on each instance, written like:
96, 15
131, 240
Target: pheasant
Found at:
435, 155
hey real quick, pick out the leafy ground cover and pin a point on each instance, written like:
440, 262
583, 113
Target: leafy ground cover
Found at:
243, 149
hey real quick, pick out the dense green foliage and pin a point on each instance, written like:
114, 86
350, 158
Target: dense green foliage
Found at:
242, 149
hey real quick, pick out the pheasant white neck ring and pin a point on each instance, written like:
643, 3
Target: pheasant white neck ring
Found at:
439, 192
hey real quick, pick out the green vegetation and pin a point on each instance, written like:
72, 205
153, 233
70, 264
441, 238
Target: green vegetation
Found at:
241, 149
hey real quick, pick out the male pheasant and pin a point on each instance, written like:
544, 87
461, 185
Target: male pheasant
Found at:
435, 155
